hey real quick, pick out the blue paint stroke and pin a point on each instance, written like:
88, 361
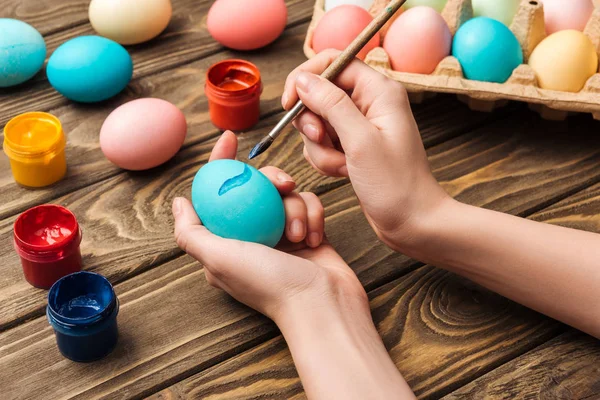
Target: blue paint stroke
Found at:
236, 181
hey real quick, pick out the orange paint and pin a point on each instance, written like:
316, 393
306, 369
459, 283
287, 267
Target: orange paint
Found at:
233, 89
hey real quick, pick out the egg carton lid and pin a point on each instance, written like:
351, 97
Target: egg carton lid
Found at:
529, 28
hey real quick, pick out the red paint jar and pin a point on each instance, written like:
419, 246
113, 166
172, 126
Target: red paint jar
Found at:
233, 89
47, 239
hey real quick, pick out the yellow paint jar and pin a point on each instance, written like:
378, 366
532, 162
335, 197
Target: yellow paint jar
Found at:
35, 144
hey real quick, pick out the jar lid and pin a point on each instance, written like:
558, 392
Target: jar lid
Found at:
233, 79
33, 134
46, 229
81, 299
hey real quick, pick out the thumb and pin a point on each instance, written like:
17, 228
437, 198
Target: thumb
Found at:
356, 133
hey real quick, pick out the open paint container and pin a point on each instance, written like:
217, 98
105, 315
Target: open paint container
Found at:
82, 309
35, 144
233, 89
47, 239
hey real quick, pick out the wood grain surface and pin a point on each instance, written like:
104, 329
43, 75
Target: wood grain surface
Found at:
181, 338
559, 369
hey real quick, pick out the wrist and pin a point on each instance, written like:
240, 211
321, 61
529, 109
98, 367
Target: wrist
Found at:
420, 233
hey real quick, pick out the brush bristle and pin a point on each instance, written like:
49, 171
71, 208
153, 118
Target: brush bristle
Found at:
261, 147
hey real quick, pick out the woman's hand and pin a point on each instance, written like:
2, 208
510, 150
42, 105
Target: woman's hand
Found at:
362, 127
309, 291
269, 280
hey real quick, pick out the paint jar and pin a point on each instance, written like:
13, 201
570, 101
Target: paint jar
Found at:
47, 239
35, 144
82, 309
233, 89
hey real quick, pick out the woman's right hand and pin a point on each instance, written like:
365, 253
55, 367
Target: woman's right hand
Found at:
361, 127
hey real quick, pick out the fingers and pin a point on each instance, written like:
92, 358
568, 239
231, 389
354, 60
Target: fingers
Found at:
282, 181
325, 159
316, 65
315, 219
311, 126
225, 148
295, 217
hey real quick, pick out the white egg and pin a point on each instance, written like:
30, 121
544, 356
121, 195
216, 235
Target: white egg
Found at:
366, 4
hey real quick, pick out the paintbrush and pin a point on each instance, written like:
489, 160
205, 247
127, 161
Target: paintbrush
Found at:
332, 72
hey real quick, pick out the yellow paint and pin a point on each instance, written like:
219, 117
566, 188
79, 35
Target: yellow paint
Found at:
35, 144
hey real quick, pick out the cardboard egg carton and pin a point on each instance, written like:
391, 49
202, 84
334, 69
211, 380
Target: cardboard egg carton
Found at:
528, 26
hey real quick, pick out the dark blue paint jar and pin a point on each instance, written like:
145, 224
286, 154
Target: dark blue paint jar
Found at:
82, 309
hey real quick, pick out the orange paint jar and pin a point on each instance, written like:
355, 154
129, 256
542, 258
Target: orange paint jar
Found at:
35, 144
233, 89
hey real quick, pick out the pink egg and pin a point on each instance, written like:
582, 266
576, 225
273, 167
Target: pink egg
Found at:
561, 15
143, 134
340, 26
246, 25
418, 40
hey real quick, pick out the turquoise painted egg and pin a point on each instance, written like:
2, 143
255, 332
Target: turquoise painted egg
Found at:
22, 52
88, 69
236, 201
487, 50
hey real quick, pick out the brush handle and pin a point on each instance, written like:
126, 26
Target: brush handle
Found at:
361, 40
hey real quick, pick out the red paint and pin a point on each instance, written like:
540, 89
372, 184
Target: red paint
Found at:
233, 89
47, 239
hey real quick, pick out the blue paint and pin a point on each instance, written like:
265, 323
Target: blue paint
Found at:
236, 201
88, 69
236, 181
82, 309
22, 52
487, 50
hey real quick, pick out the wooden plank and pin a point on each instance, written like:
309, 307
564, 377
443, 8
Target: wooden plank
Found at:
127, 222
185, 40
567, 367
171, 323
580, 211
427, 315
441, 331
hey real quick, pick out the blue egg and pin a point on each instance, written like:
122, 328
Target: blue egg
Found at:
88, 69
487, 50
236, 201
22, 52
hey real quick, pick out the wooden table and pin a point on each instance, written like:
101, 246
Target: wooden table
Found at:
181, 338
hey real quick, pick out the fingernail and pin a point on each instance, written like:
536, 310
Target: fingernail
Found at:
343, 170
314, 239
297, 228
284, 178
311, 131
176, 206
305, 81
284, 100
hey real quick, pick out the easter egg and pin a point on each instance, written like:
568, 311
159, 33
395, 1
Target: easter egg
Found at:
366, 4
487, 50
418, 41
250, 26
89, 69
564, 61
22, 52
437, 5
503, 10
130, 21
572, 14
340, 26
143, 134
236, 201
